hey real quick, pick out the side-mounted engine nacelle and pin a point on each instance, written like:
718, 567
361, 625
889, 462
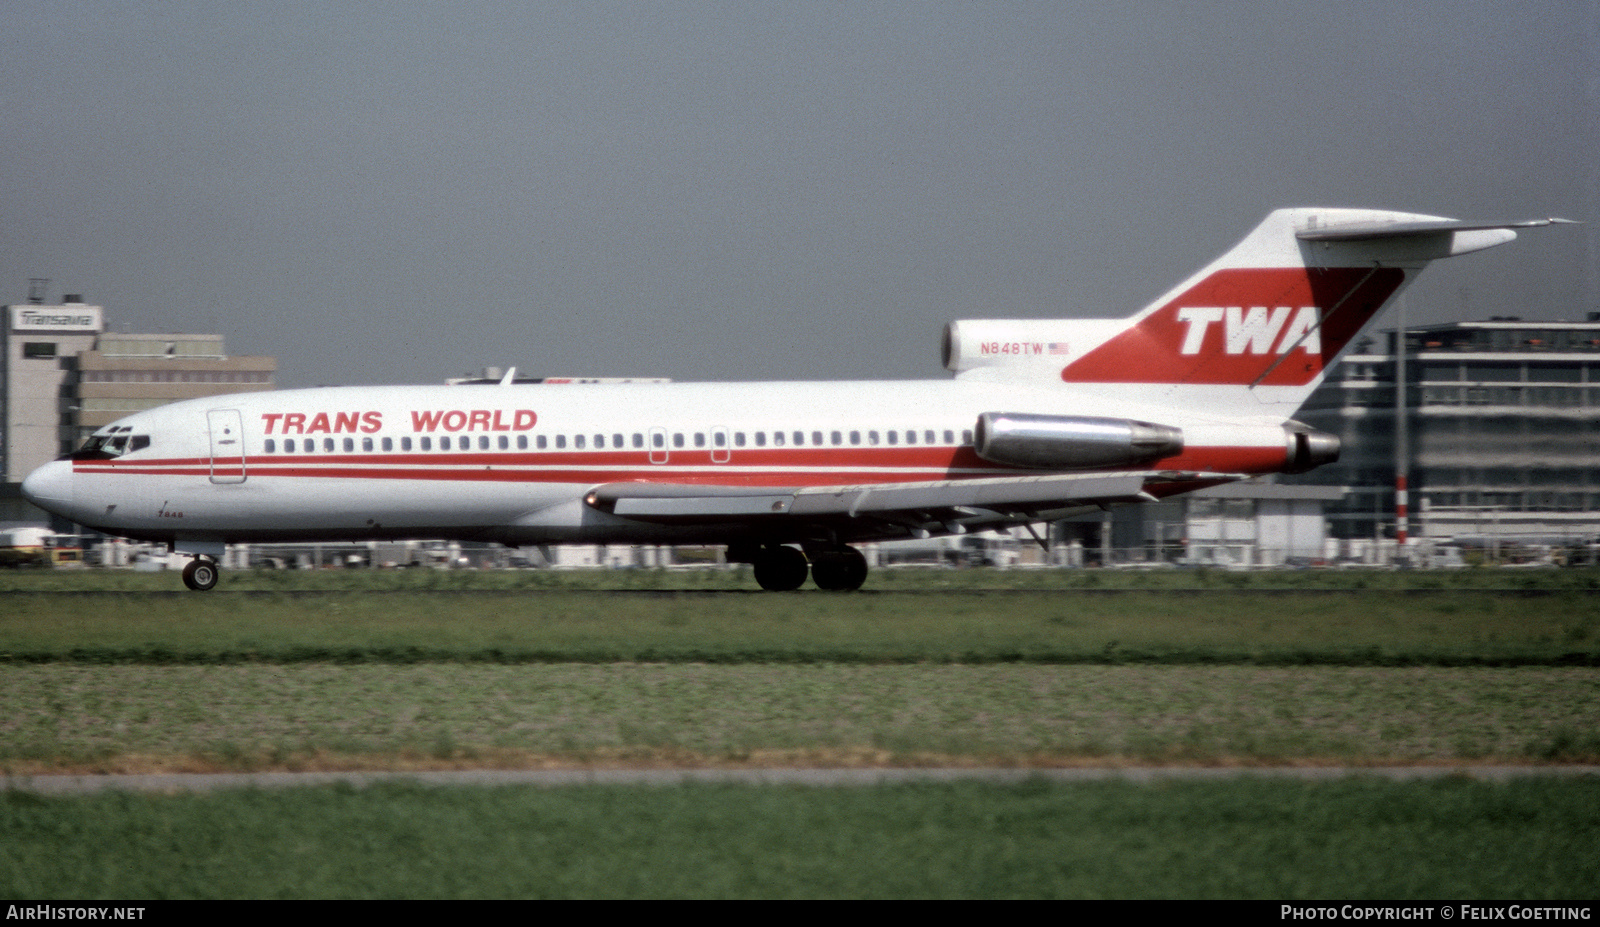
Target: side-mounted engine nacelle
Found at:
1072, 442
1309, 448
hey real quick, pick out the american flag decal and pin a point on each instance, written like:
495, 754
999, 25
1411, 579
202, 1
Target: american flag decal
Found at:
1059, 347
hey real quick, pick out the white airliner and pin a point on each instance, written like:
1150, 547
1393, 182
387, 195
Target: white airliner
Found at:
1043, 420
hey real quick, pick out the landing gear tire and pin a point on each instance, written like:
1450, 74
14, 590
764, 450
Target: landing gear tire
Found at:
200, 575
842, 570
780, 569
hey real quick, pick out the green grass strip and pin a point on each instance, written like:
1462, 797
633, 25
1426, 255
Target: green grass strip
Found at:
253, 716
714, 578
1275, 839
1356, 628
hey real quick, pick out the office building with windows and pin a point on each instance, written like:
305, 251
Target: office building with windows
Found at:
36, 382
127, 373
1502, 433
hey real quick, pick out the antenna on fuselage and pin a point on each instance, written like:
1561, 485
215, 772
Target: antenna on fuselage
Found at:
510, 375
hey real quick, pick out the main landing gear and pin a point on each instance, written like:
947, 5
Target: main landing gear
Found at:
201, 574
841, 569
781, 569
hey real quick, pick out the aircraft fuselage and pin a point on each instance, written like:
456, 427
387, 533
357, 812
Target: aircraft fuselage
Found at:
513, 463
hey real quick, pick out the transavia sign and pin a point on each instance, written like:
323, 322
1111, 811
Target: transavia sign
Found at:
73, 317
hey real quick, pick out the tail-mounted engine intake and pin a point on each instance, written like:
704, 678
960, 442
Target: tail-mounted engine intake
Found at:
1309, 448
1072, 442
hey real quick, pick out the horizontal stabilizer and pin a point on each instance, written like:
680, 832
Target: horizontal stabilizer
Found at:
1366, 231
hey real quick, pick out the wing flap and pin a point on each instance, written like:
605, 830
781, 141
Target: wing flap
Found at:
937, 501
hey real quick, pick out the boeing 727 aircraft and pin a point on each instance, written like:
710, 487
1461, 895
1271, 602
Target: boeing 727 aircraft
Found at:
1044, 419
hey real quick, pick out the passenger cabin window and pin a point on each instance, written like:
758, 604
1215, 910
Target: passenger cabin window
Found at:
269, 446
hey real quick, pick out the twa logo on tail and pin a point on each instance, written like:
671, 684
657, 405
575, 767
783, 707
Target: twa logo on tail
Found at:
1254, 331
1277, 326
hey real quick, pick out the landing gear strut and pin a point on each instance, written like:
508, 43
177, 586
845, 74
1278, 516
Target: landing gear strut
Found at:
201, 574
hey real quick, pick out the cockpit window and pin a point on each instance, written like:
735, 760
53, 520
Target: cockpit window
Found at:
113, 443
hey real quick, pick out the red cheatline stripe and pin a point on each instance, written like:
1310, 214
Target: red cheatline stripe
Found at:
792, 468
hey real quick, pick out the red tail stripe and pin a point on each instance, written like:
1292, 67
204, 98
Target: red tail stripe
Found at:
1152, 351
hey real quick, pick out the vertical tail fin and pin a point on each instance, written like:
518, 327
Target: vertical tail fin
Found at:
1257, 329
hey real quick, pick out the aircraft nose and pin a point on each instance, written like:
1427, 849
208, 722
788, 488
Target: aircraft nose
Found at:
50, 487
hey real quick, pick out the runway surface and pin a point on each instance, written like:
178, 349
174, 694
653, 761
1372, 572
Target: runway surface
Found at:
206, 782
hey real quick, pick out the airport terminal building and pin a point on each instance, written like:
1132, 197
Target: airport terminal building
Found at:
1502, 434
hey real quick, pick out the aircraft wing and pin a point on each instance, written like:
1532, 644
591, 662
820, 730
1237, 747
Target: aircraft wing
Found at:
942, 507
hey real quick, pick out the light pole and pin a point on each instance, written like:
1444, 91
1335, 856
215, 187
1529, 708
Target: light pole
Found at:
1402, 435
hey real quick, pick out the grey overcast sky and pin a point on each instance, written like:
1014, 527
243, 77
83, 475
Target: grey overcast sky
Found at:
405, 191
